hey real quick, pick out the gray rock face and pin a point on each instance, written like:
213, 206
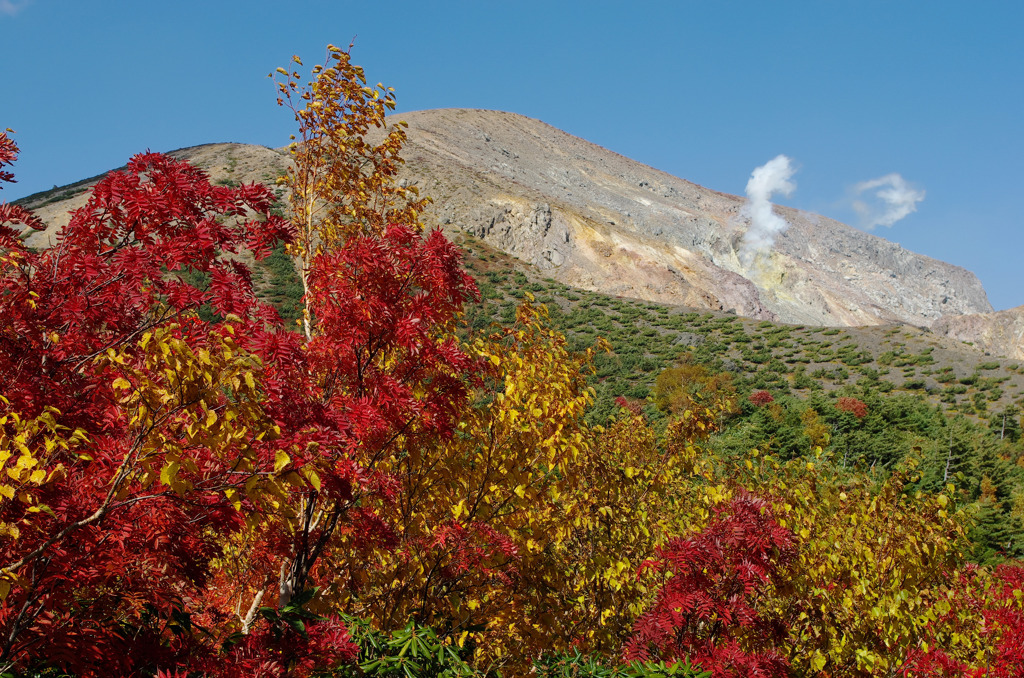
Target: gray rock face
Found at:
595, 219
530, 232
1000, 333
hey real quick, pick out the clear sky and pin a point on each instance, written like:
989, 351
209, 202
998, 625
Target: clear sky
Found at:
850, 90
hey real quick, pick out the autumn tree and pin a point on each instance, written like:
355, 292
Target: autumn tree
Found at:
988, 609
872, 566
706, 608
11, 214
129, 419
127, 423
689, 384
346, 159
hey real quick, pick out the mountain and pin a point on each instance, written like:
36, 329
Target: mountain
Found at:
599, 221
999, 332
595, 220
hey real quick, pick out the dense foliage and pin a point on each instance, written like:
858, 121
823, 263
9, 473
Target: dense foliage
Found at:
404, 488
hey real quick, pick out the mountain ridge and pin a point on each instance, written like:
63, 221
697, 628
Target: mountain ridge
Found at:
594, 219
601, 221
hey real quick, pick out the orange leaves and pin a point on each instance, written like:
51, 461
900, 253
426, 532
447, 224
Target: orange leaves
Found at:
343, 182
854, 406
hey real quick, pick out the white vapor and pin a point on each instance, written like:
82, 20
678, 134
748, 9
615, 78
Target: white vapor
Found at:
898, 197
12, 7
765, 181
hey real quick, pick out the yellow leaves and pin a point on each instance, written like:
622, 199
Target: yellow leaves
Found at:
311, 475
169, 473
818, 661
888, 552
281, 459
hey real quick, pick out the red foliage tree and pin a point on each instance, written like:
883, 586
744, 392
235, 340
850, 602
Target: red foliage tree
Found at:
103, 567
150, 437
380, 370
632, 405
11, 214
854, 406
761, 398
1003, 613
705, 610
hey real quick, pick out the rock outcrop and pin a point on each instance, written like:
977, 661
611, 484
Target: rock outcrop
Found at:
594, 219
999, 333
597, 220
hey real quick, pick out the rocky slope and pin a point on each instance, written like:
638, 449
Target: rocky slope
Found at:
596, 220
603, 222
1000, 332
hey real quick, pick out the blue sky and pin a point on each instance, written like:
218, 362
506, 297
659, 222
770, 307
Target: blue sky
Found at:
850, 90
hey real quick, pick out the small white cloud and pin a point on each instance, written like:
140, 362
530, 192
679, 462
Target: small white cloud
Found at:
893, 200
12, 7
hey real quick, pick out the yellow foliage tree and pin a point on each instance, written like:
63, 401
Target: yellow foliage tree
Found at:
343, 178
874, 570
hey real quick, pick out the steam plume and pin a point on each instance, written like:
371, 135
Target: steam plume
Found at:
898, 200
12, 7
765, 181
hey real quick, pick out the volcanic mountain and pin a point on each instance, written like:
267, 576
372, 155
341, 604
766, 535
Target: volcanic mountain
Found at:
596, 220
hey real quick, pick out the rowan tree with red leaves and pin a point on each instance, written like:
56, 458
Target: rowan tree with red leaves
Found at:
174, 482
11, 214
706, 608
113, 500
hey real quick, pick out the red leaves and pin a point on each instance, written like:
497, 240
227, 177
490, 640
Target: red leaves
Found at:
124, 567
761, 398
8, 154
380, 304
1003, 613
12, 214
632, 405
706, 608
474, 547
854, 406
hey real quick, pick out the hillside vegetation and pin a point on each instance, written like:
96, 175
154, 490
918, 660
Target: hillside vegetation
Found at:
247, 431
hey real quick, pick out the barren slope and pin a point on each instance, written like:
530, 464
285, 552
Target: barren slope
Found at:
599, 221
1000, 332
594, 219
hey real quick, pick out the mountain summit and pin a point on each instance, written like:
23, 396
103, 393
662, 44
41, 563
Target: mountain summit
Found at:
597, 220
594, 219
